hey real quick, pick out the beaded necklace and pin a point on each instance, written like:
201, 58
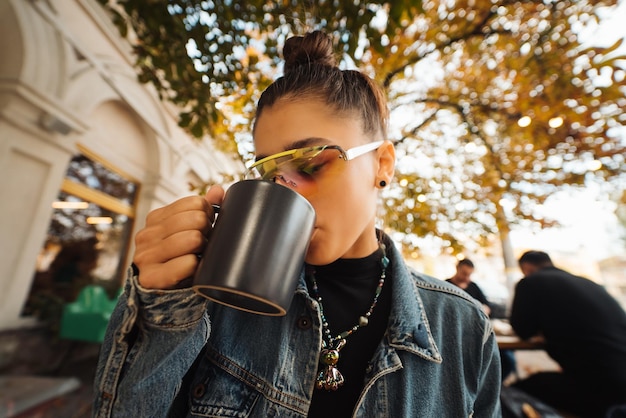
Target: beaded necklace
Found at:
330, 378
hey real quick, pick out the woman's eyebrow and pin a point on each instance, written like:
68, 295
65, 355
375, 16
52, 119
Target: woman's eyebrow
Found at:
307, 142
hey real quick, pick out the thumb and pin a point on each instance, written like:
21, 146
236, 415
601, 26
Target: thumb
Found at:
215, 195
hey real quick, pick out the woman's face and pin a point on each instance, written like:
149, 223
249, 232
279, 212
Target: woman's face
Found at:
344, 195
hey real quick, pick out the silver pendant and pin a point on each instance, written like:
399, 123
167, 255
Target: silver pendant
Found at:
330, 378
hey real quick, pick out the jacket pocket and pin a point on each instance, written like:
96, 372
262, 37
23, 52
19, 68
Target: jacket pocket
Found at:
215, 393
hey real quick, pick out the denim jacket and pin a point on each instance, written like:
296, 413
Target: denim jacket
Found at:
438, 357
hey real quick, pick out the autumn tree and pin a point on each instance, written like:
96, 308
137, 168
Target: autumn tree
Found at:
495, 104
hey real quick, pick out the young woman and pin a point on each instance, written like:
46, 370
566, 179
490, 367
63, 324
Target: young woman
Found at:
365, 336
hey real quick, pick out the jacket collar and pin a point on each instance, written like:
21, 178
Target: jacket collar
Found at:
408, 327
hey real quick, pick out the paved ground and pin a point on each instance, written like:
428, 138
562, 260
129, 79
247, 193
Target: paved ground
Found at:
33, 353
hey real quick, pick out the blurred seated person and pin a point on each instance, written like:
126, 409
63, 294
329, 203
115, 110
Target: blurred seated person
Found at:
462, 279
585, 333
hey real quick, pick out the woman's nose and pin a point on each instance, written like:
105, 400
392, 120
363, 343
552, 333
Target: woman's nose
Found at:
280, 179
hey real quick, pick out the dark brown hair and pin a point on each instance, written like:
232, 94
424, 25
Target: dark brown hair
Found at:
465, 262
311, 71
536, 258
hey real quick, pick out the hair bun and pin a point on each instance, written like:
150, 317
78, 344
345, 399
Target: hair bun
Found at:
313, 48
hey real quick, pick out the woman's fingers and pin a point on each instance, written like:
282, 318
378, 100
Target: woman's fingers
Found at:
215, 195
163, 263
167, 275
190, 203
176, 245
166, 248
189, 220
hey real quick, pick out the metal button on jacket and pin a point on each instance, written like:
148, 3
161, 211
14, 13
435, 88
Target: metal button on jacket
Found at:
304, 322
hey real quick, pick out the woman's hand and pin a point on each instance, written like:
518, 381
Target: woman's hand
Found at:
166, 248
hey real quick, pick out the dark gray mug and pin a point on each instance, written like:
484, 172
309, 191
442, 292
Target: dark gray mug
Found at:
256, 249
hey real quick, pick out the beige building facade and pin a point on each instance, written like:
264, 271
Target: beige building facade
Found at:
86, 151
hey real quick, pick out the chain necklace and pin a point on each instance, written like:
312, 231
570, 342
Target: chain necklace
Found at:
330, 378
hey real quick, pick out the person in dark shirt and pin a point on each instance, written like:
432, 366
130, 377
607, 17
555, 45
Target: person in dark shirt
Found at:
585, 333
463, 279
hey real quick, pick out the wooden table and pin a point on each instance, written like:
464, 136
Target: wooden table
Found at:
507, 340
513, 342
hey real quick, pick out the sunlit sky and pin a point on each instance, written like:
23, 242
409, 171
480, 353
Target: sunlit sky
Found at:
589, 224
589, 227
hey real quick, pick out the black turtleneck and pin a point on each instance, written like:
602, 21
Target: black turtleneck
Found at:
347, 289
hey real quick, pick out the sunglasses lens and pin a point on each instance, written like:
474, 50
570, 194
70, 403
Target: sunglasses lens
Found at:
301, 170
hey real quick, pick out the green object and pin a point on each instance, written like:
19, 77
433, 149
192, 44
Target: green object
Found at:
86, 318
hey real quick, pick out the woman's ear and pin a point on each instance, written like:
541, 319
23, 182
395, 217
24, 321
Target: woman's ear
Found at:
386, 162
